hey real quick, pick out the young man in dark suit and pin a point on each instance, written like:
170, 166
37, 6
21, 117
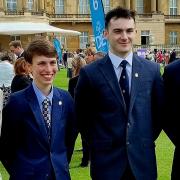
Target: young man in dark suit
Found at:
171, 78
16, 48
118, 101
38, 128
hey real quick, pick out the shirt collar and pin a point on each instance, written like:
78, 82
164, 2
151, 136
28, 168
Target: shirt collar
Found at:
40, 95
116, 60
21, 53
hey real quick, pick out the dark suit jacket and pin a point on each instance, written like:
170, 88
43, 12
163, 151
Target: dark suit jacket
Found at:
20, 82
25, 149
116, 137
172, 93
172, 57
72, 85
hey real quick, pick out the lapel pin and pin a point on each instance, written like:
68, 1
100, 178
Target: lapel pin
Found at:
60, 103
136, 74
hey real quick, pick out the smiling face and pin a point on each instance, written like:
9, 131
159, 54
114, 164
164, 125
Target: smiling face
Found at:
44, 70
120, 33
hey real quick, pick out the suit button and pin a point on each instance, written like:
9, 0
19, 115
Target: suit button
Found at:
48, 177
127, 143
128, 125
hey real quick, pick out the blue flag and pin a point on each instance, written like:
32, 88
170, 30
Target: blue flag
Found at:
57, 46
98, 24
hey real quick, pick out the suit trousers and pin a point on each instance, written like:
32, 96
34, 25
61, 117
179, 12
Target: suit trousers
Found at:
128, 174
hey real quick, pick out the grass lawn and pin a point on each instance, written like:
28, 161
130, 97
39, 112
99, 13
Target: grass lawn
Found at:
164, 149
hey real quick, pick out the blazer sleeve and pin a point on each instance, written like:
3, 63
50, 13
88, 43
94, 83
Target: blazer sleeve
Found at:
171, 111
157, 103
83, 104
9, 134
71, 127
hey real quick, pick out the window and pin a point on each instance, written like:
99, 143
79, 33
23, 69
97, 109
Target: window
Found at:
84, 40
140, 6
59, 6
38, 35
11, 5
173, 37
173, 7
84, 7
106, 4
145, 37
92, 40
30, 5
15, 38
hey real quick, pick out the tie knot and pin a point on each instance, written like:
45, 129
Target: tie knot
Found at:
46, 102
123, 64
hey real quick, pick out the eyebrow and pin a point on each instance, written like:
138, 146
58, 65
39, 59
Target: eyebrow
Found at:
119, 29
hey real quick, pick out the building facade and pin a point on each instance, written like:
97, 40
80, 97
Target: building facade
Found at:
157, 21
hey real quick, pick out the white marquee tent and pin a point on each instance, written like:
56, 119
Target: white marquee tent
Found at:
20, 28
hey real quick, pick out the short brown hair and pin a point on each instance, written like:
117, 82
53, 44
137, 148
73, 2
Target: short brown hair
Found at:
21, 66
119, 12
15, 44
39, 47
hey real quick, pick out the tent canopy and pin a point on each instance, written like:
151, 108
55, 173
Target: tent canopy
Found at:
20, 28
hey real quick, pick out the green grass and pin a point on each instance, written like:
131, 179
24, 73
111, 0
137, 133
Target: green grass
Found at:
61, 79
78, 173
164, 154
161, 69
164, 149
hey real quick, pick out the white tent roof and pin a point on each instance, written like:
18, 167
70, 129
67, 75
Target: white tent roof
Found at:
19, 28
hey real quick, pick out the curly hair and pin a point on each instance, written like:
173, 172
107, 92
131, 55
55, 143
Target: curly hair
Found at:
21, 66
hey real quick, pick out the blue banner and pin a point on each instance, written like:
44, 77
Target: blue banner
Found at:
98, 24
57, 46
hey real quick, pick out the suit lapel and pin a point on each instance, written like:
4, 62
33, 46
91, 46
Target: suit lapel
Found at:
137, 76
56, 114
106, 68
34, 105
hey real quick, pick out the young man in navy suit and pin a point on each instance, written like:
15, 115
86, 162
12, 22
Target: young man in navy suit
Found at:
38, 128
171, 78
16, 48
118, 101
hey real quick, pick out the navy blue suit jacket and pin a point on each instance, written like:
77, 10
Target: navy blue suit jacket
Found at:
116, 137
26, 151
172, 94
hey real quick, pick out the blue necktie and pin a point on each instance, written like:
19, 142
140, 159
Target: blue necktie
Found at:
124, 83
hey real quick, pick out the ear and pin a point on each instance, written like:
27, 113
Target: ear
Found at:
106, 33
30, 67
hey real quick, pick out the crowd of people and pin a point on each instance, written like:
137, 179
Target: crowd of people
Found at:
118, 102
161, 56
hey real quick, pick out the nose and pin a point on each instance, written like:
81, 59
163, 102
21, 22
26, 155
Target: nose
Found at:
124, 35
48, 67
